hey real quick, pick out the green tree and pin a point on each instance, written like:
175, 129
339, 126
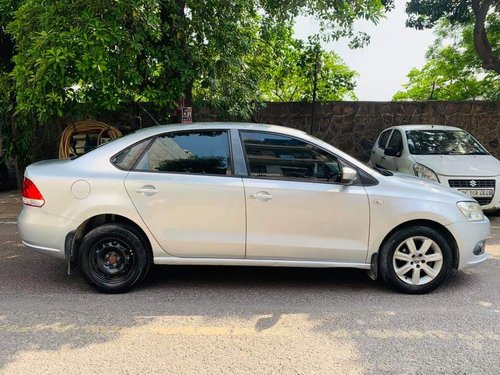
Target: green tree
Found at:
76, 57
424, 14
291, 70
452, 70
73, 57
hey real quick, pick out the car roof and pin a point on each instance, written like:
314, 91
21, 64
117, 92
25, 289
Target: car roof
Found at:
152, 131
217, 125
139, 135
423, 127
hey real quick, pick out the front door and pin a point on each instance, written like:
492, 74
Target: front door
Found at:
297, 207
183, 188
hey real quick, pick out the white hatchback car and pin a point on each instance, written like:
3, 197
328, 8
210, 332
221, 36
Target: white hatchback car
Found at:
243, 195
445, 154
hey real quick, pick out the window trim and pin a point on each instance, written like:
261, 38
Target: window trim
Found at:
154, 137
150, 138
239, 156
342, 162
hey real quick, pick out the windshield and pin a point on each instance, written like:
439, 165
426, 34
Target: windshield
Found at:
443, 142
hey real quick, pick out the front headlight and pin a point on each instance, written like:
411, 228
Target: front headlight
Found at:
424, 172
471, 210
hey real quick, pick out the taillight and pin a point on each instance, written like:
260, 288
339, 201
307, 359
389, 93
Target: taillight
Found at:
31, 194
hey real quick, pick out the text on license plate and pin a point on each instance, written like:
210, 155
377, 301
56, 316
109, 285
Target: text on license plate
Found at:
477, 192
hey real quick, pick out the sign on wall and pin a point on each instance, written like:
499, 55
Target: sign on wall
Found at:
186, 115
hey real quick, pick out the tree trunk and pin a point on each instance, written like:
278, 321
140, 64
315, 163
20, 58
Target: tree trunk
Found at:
315, 88
481, 42
185, 101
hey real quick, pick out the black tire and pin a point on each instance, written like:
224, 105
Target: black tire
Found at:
387, 268
114, 258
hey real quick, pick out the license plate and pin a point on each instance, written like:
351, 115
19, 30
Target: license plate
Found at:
478, 193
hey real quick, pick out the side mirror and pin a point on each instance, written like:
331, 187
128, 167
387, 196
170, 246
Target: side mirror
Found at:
391, 151
349, 175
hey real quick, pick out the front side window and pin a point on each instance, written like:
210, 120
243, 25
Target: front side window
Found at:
396, 141
382, 141
443, 142
276, 156
196, 152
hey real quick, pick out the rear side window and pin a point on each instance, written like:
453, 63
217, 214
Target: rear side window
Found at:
276, 156
196, 152
127, 158
382, 141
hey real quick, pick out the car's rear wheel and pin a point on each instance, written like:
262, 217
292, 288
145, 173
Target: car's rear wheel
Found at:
114, 258
416, 260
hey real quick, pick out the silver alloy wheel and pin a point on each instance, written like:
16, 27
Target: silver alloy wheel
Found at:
417, 260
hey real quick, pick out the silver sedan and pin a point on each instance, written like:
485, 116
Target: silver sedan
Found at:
248, 195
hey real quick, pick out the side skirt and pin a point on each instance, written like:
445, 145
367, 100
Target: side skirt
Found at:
258, 263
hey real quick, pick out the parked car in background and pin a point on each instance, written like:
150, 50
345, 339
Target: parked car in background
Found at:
444, 154
243, 195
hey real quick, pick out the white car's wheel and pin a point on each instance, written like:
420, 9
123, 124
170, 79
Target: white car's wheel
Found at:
415, 260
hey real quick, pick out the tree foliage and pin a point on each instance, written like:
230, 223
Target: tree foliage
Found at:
424, 14
286, 68
78, 58
74, 55
452, 70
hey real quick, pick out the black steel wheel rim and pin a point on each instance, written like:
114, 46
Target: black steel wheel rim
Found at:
112, 261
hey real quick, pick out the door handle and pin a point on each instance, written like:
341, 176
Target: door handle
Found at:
147, 190
261, 196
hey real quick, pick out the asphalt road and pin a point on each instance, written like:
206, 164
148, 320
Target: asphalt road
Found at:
216, 320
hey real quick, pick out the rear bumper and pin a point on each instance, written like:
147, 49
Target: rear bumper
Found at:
43, 232
44, 250
468, 235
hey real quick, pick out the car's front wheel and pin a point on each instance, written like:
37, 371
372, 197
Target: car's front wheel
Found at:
416, 260
114, 258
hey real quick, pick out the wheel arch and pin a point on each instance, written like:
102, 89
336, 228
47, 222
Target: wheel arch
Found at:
74, 238
432, 225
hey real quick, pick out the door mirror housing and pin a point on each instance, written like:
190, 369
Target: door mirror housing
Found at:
391, 151
349, 175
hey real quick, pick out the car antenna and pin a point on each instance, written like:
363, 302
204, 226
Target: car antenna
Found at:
149, 114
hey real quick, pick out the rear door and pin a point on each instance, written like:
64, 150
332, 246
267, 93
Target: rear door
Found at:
185, 190
297, 208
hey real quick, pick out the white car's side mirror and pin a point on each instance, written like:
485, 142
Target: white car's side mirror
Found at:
348, 175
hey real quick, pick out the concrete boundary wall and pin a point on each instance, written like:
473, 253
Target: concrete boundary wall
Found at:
354, 126
350, 126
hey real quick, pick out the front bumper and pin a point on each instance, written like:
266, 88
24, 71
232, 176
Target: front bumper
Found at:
493, 205
468, 235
